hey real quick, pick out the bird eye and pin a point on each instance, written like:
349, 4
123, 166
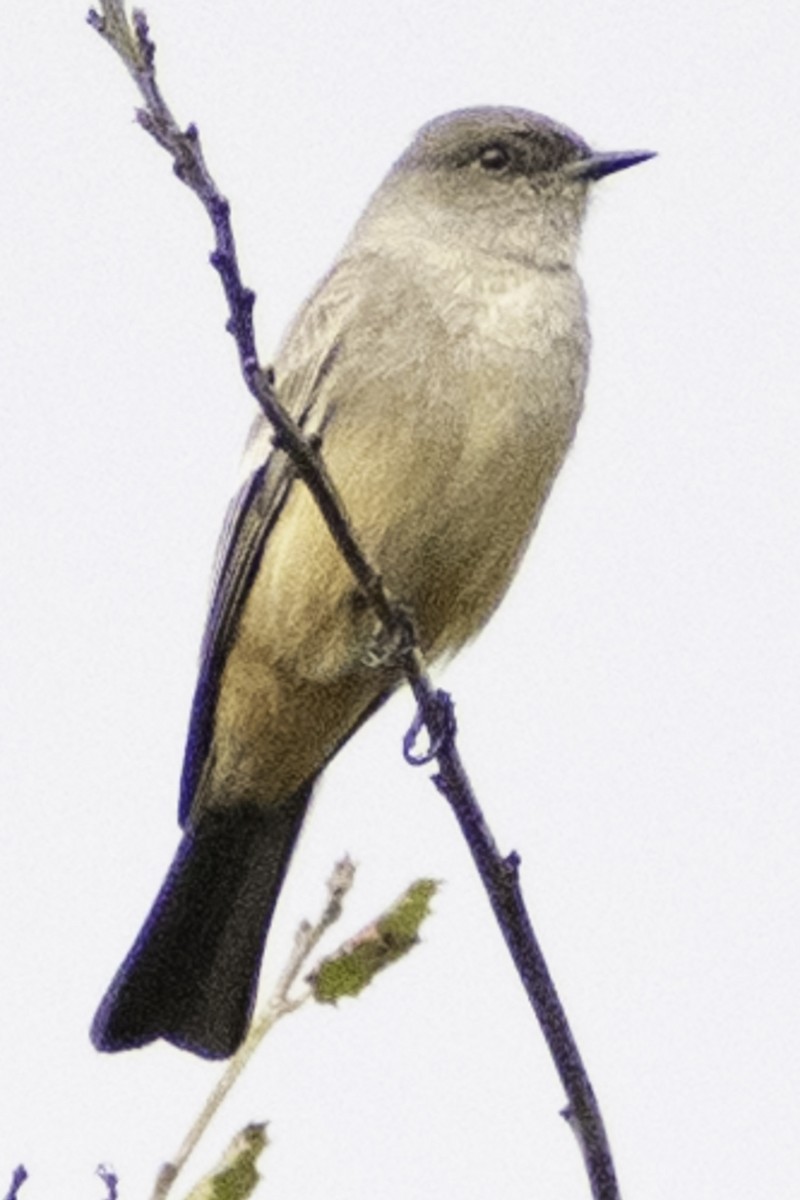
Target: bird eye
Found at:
494, 158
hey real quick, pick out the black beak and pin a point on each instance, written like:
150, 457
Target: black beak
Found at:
605, 163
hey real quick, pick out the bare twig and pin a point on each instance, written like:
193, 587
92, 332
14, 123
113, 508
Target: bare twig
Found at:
135, 48
500, 876
109, 1178
435, 711
17, 1180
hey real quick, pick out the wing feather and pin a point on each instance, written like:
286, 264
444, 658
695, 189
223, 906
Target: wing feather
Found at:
305, 364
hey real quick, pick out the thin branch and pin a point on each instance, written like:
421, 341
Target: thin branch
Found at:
137, 51
435, 711
500, 877
17, 1180
111, 1181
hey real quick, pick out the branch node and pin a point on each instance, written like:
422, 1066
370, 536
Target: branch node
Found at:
145, 43
511, 862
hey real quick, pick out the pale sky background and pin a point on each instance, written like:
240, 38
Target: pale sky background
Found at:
630, 719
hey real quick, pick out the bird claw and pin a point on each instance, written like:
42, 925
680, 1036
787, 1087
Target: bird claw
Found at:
388, 646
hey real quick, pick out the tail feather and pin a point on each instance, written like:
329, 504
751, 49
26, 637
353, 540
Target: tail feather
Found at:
192, 974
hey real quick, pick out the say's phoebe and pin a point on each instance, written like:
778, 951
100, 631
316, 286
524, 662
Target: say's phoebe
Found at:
442, 363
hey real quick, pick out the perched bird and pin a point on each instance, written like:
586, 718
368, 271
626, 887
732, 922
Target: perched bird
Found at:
441, 363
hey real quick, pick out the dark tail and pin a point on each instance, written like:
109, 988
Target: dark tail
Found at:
192, 974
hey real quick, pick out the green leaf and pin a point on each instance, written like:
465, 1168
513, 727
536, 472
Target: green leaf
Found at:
355, 964
236, 1176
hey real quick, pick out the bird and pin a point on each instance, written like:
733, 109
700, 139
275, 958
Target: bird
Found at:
440, 368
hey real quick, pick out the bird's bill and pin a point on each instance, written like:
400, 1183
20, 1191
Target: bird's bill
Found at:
606, 163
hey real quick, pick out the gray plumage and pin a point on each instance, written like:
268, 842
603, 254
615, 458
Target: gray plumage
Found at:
442, 362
